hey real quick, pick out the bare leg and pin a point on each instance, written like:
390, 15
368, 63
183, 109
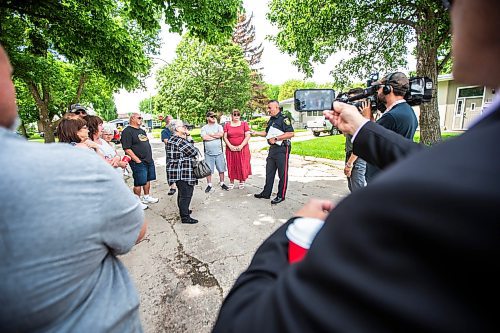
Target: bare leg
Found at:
146, 188
137, 190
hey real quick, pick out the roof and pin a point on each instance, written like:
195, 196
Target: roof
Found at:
287, 101
445, 77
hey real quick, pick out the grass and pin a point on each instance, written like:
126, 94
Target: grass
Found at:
333, 146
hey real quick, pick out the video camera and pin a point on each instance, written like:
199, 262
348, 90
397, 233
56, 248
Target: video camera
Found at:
420, 91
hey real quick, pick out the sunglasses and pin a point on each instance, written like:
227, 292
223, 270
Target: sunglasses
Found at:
80, 112
140, 118
236, 114
212, 116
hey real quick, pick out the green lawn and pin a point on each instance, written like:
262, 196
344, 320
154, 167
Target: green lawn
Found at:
332, 146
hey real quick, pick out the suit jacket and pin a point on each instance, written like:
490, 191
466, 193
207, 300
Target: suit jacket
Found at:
417, 250
382, 147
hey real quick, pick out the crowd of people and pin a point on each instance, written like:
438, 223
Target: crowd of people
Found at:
416, 250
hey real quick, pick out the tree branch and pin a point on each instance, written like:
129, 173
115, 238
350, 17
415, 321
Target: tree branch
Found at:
443, 62
401, 22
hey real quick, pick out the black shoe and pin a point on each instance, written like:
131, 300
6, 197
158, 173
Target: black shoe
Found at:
208, 189
171, 191
224, 187
190, 211
277, 200
189, 220
261, 196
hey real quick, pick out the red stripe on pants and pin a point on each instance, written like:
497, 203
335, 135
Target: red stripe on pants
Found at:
286, 174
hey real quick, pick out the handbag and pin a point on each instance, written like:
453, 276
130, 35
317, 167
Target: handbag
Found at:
201, 168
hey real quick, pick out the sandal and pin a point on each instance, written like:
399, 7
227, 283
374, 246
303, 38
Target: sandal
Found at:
241, 185
231, 186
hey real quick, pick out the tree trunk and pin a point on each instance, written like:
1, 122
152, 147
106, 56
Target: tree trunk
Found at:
430, 131
43, 108
22, 127
81, 85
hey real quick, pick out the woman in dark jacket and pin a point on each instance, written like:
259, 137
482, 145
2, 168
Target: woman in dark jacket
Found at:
181, 155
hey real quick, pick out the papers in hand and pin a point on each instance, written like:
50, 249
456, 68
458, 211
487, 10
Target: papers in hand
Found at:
273, 133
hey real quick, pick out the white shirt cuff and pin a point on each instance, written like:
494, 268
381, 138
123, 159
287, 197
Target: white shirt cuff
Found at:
357, 131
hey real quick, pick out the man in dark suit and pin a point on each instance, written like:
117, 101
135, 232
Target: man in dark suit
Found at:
418, 249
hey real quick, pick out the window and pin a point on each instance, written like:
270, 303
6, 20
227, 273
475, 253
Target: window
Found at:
472, 106
471, 92
460, 105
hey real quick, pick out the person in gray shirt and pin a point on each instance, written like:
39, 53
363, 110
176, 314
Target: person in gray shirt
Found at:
212, 134
63, 221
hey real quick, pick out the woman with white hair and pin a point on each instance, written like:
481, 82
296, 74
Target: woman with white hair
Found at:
107, 148
181, 154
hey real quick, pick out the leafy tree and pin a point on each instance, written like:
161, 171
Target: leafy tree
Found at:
288, 88
204, 78
272, 91
110, 37
377, 34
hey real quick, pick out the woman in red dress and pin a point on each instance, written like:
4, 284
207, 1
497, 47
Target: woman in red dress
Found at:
236, 136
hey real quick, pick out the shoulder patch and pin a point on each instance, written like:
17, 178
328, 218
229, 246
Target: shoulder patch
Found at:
287, 122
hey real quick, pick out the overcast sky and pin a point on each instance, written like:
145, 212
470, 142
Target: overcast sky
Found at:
277, 69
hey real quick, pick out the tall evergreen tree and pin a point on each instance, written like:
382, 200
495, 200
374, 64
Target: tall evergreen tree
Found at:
244, 36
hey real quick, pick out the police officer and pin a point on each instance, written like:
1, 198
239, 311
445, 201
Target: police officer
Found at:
278, 132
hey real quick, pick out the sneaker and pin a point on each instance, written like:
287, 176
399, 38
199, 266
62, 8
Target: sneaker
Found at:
149, 199
224, 187
189, 220
171, 191
143, 206
208, 189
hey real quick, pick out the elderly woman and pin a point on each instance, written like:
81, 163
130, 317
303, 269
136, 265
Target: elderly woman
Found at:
236, 136
74, 131
107, 148
181, 155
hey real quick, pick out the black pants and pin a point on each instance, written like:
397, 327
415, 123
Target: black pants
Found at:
277, 160
184, 198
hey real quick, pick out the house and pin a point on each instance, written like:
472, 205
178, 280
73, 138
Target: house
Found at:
458, 105
299, 119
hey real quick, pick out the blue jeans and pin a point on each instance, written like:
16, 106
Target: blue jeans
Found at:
142, 172
357, 179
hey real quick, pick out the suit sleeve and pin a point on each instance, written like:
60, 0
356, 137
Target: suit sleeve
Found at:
373, 267
382, 147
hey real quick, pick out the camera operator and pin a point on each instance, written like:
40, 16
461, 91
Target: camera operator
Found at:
355, 167
399, 116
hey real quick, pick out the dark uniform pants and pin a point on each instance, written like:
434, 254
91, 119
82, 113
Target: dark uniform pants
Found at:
277, 159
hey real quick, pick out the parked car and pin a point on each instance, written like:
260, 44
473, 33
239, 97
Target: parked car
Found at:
322, 125
190, 127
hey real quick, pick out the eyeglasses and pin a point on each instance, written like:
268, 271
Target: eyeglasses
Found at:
236, 114
211, 116
183, 126
140, 118
78, 112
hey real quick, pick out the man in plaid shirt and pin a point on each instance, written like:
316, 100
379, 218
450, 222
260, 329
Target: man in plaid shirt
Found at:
181, 154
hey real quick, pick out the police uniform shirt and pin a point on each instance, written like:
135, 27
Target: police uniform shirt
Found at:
280, 122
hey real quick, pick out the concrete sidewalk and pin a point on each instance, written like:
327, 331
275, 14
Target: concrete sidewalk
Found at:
182, 272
